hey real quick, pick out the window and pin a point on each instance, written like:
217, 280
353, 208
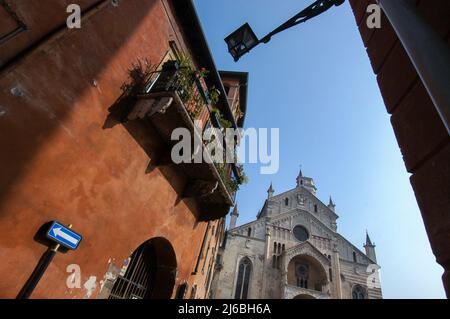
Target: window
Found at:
274, 247
249, 232
243, 279
302, 274
279, 248
358, 292
330, 272
278, 262
282, 247
354, 257
10, 24
315, 208
181, 291
274, 261
300, 233
286, 201
302, 283
193, 291
173, 54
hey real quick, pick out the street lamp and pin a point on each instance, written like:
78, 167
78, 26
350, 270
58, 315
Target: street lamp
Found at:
244, 39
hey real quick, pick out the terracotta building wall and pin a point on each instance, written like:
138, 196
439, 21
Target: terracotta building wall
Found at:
41, 19
421, 135
203, 275
63, 158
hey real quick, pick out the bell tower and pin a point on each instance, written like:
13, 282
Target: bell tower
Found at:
306, 182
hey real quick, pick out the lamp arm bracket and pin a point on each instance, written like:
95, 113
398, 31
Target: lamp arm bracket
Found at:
315, 9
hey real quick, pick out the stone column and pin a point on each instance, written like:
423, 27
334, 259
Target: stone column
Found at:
336, 272
284, 273
265, 261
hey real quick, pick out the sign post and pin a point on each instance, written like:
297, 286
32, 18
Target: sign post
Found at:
62, 236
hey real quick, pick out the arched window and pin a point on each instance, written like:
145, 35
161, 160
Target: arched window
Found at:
282, 247
249, 232
315, 208
358, 292
286, 201
274, 247
302, 274
354, 257
243, 279
279, 248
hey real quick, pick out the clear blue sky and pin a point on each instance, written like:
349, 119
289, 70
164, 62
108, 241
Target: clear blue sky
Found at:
315, 83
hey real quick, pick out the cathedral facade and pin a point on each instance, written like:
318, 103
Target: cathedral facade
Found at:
293, 250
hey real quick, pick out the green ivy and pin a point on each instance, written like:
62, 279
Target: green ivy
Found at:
223, 122
230, 183
187, 77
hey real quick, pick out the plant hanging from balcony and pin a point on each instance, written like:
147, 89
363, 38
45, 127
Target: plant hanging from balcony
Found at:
192, 87
224, 123
214, 95
239, 113
230, 183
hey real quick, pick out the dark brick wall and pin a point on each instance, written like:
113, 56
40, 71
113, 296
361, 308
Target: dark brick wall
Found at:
422, 138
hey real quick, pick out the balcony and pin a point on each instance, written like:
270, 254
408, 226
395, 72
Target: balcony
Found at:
171, 101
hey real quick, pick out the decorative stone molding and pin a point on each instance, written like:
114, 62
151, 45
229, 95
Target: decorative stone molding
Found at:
308, 249
289, 292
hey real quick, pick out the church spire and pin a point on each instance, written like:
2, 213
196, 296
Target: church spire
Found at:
368, 241
270, 191
370, 248
300, 177
234, 216
331, 204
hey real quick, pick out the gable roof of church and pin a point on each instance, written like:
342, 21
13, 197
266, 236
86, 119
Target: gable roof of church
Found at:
305, 190
356, 249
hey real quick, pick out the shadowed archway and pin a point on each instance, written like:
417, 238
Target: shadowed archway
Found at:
150, 273
306, 272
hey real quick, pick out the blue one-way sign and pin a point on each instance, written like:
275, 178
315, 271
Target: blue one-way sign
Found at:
63, 235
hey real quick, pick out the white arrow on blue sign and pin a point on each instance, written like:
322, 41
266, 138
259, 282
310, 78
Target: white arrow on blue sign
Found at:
63, 235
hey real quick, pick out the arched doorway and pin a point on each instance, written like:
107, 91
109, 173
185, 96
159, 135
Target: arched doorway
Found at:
306, 272
303, 296
150, 273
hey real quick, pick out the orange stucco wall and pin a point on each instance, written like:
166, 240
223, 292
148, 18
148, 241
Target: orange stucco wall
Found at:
63, 159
